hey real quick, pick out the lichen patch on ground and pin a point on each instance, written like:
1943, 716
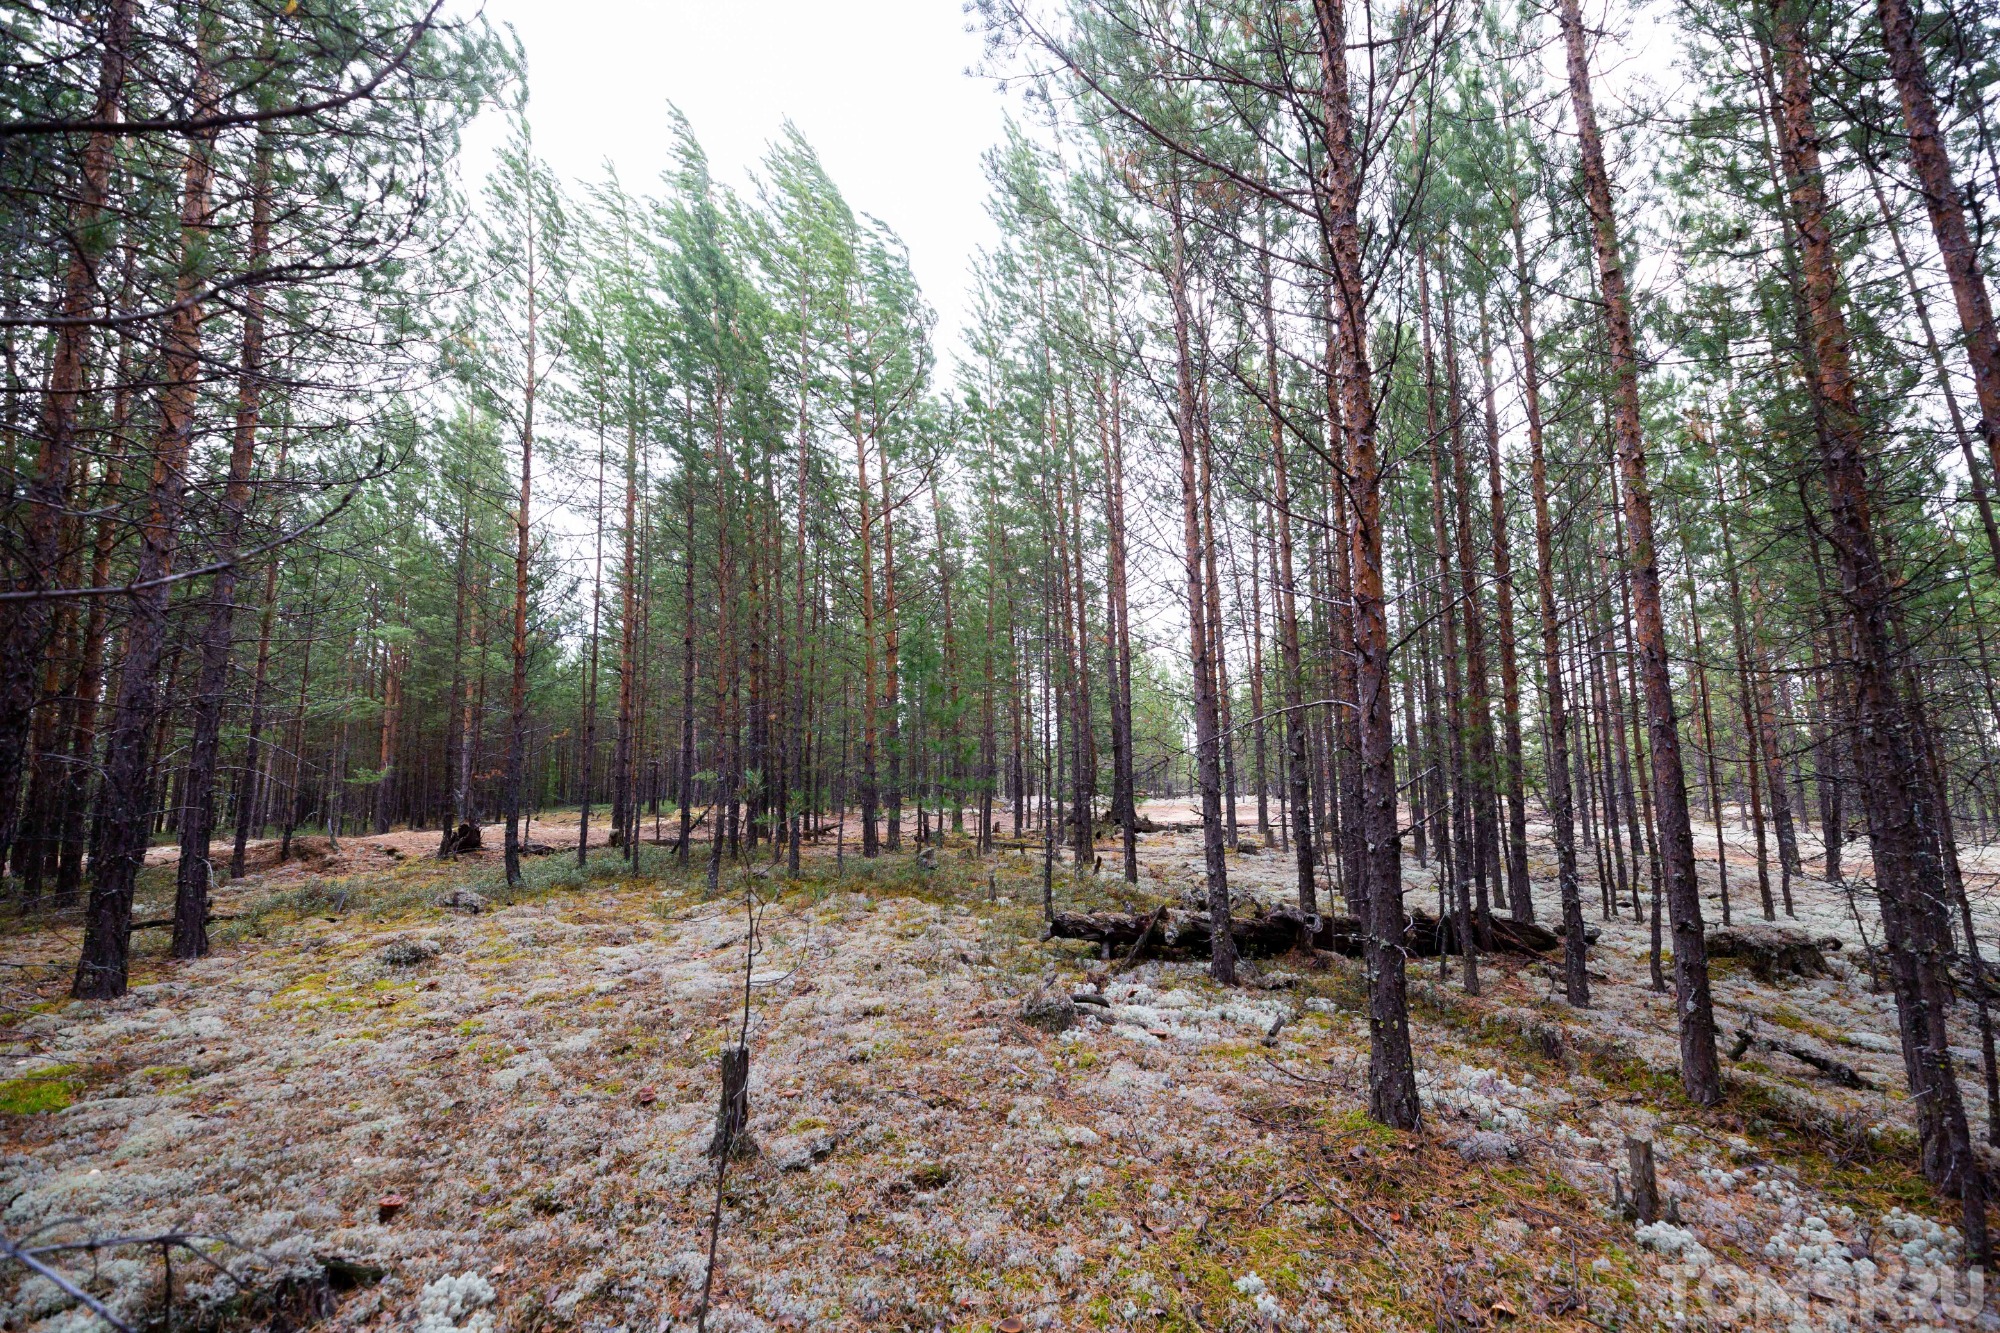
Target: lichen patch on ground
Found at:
533, 1087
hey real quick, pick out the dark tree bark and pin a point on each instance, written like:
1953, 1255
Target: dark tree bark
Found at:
1928, 155
1456, 874
725, 652
624, 754
212, 684
687, 747
1124, 801
250, 782
1576, 972
101, 970
1701, 1073
517, 712
1520, 893
870, 792
1297, 765
1887, 749
1708, 750
1208, 756
1392, 1068
587, 748
1478, 702
26, 627
459, 727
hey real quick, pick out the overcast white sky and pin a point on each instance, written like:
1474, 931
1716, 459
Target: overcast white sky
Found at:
877, 86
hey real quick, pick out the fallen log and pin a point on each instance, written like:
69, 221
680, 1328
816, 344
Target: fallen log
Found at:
1509, 936
1846, 1075
1188, 934
167, 922
1183, 933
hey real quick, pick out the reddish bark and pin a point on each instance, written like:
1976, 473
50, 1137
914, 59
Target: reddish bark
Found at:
1886, 745
1700, 1070
1392, 1069
205, 744
101, 970
26, 630
1928, 155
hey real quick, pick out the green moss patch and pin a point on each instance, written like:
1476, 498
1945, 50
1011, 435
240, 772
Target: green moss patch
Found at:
40, 1092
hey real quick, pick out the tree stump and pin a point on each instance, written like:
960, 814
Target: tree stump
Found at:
1645, 1203
732, 1119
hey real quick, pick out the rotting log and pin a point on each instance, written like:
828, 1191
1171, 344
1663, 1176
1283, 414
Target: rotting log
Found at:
1177, 934
1846, 1075
1183, 933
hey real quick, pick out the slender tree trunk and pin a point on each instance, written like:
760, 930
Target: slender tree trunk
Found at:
1478, 703
1217, 640
24, 632
799, 653
205, 745
1576, 973
250, 784
1771, 747
1118, 629
687, 749
624, 754
101, 970
1392, 1068
1520, 893
589, 746
1342, 720
1208, 756
1932, 163
1298, 771
1887, 748
726, 740
870, 797
1459, 873
91, 684
1700, 1071
1708, 749
1746, 695
892, 682
459, 733
517, 726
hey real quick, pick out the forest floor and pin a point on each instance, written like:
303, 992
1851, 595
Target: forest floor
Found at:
472, 1107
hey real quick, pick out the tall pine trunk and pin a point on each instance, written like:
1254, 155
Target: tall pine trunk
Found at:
205, 745
517, 711
1929, 156
1701, 1073
1208, 755
24, 632
1298, 771
1887, 748
1576, 974
1520, 893
101, 970
1392, 1068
